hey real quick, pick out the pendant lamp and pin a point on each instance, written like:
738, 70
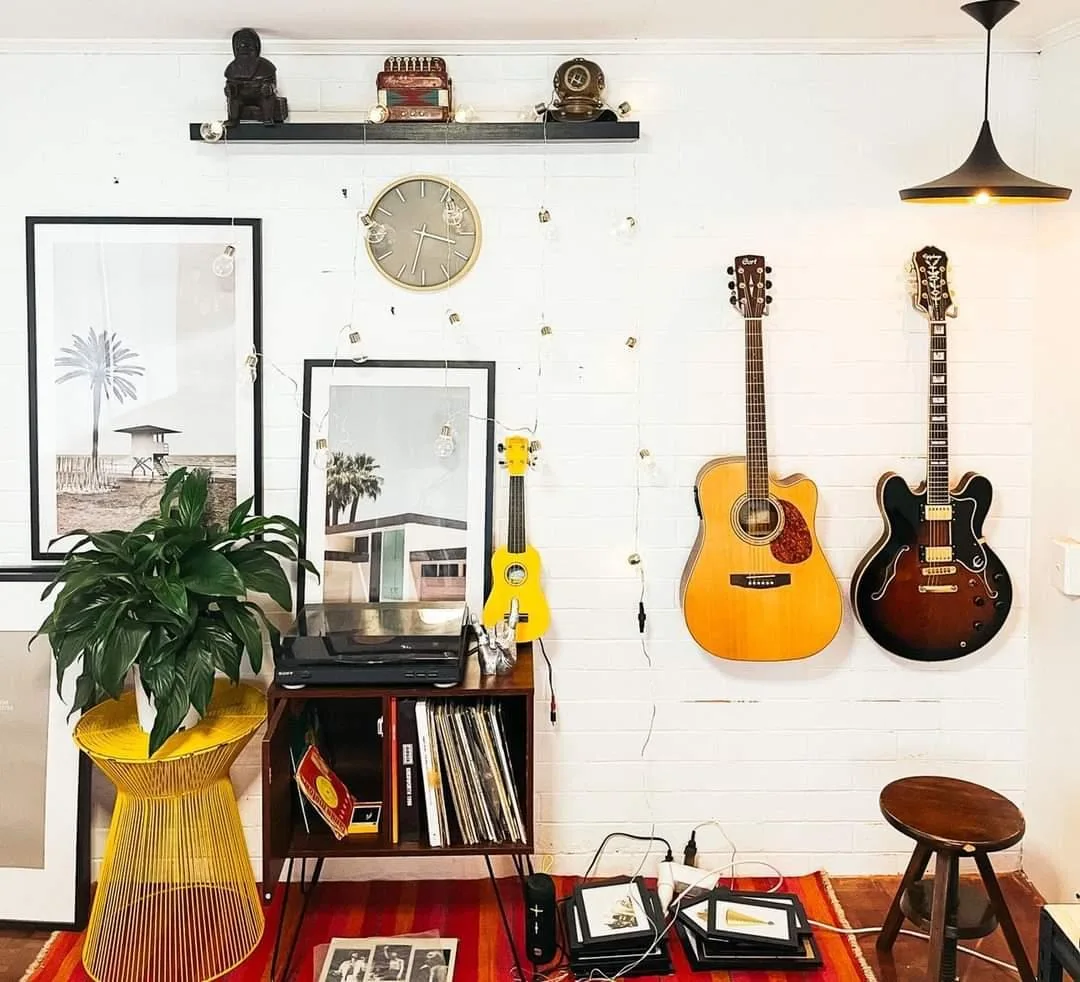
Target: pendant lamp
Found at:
984, 176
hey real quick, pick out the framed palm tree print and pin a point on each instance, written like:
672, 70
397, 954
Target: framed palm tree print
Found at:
395, 481
138, 333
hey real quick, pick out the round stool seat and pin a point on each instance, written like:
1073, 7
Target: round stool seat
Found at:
945, 813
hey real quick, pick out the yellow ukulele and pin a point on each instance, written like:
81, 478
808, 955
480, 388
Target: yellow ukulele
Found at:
757, 586
515, 567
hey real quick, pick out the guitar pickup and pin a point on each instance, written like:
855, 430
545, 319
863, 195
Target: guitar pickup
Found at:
924, 588
760, 581
935, 554
937, 513
939, 571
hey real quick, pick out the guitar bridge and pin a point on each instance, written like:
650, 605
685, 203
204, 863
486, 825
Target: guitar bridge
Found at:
937, 513
760, 581
935, 554
924, 588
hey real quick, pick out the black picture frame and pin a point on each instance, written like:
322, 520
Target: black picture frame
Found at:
590, 933
748, 938
45, 561
341, 371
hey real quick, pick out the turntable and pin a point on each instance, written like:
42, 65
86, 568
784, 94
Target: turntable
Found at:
383, 644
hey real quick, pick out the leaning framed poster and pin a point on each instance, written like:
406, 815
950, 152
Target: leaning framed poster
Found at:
45, 811
138, 333
395, 481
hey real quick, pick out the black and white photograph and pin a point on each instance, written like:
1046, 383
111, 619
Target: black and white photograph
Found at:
434, 964
613, 910
397, 504
45, 821
348, 964
390, 963
138, 331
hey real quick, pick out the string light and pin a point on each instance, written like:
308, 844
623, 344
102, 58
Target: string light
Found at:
379, 114
631, 342
225, 265
356, 347
624, 108
625, 228
634, 559
453, 318
465, 114
321, 456
250, 368
213, 131
453, 214
445, 444
373, 231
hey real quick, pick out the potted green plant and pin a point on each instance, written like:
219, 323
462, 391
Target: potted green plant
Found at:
168, 601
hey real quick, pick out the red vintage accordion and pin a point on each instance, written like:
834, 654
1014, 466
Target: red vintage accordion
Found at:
415, 88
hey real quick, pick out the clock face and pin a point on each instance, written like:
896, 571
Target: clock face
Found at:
433, 233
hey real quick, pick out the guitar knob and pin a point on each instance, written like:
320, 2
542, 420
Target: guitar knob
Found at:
979, 601
999, 605
978, 625
998, 577
731, 270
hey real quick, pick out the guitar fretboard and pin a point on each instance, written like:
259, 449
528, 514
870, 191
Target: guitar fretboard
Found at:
757, 449
515, 537
937, 457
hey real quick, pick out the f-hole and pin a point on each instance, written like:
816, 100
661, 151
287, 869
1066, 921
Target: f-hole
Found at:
758, 520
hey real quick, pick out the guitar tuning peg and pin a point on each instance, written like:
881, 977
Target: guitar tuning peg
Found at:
731, 270
502, 463
534, 446
731, 285
768, 269
501, 447
952, 311
768, 299
733, 301
768, 284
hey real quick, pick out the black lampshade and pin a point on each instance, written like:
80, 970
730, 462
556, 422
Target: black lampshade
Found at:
984, 176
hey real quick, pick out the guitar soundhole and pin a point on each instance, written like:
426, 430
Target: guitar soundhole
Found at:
516, 574
759, 518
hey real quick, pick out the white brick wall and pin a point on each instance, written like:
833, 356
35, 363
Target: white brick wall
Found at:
796, 155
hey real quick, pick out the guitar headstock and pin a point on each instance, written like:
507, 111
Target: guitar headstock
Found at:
750, 288
518, 455
930, 289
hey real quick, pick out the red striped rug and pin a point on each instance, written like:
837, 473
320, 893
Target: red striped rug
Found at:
465, 910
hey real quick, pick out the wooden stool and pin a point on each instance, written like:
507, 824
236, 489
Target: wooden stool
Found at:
950, 819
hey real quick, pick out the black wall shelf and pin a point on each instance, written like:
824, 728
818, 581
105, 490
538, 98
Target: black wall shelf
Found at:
430, 133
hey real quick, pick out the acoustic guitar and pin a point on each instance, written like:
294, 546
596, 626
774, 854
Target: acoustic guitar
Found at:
931, 589
757, 586
515, 567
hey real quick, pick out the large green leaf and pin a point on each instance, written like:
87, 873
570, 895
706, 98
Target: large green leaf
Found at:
171, 706
197, 667
209, 573
120, 652
278, 523
171, 489
238, 514
191, 504
271, 630
66, 651
243, 624
263, 574
270, 545
171, 593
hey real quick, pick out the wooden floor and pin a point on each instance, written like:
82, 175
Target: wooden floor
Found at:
864, 898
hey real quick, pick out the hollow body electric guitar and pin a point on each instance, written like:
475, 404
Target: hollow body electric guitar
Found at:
515, 567
931, 589
757, 586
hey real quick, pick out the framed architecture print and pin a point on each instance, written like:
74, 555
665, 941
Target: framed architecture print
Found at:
45, 812
395, 481
138, 331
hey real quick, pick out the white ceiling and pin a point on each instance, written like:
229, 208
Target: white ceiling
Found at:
494, 20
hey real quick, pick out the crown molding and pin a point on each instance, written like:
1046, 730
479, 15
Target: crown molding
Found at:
1059, 35
552, 48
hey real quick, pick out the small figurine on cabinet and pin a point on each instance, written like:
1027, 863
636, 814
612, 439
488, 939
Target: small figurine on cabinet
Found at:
251, 83
413, 88
579, 95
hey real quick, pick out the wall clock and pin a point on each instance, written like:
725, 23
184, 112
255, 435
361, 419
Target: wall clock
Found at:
432, 233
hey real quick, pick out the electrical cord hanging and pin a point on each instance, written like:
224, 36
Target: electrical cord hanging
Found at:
553, 705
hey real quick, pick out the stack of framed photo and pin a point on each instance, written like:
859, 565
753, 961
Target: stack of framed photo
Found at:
731, 930
616, 927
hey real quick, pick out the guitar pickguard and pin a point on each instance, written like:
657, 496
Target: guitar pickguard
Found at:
795, 544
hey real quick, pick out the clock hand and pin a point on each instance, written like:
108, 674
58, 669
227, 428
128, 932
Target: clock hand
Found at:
422, 232
439, 238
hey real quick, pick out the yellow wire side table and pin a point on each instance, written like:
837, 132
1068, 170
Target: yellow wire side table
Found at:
176, 900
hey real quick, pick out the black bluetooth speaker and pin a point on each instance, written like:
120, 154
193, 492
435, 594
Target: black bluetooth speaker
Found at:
540, 940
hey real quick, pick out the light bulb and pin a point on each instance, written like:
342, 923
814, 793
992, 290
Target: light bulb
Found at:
547, 226
225, 264
322, 454
465, 114
647, 462
445, 444
213, 131
250, 367
634, 559
373, 231
543, 215
453, 318
631, 342
356, 347
624, 108
546, 331
983, 198
540, 109
379, 114
625, 228
453, 214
